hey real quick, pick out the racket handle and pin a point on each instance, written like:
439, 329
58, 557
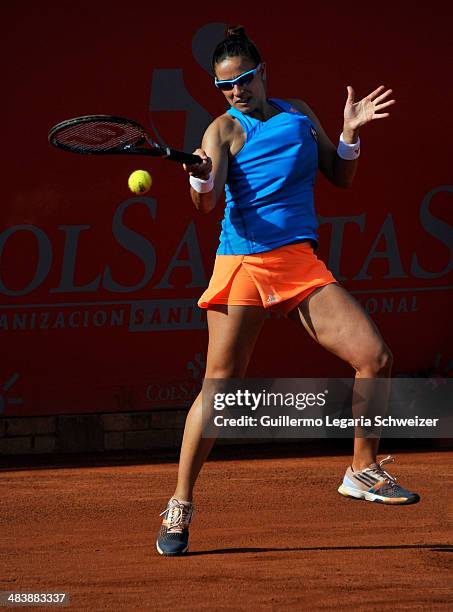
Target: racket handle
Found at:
183, 158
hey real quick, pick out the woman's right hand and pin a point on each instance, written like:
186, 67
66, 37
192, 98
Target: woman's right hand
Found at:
202, 170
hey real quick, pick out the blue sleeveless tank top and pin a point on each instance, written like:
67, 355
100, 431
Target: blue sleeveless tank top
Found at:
269, 186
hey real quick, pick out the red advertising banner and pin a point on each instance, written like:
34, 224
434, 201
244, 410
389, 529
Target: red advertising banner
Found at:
99, 288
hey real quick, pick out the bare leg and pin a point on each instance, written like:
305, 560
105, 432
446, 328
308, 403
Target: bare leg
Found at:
336, 320
233, 331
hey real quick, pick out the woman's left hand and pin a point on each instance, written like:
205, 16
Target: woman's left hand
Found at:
369, 108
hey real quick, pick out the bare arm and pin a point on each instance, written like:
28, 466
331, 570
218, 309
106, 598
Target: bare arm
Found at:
338, 171
214, 152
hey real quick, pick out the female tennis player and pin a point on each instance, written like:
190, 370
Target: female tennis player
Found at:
265, 153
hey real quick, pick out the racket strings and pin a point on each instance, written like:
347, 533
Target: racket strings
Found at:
99, 136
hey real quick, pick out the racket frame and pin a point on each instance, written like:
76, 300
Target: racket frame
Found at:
154, 150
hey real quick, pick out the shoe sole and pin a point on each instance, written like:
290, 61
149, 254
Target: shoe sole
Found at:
372, 497
171, 554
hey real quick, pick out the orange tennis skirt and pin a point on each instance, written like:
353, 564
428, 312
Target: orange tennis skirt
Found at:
279, 279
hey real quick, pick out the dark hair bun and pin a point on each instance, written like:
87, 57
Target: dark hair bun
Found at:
236, 32
235, 44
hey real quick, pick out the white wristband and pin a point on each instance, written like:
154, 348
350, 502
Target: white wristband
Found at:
348, 151
202, 185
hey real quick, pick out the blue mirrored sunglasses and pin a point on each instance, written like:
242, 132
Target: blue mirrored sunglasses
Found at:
243, 79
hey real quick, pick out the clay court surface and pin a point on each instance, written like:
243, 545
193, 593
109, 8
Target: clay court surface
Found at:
268, 534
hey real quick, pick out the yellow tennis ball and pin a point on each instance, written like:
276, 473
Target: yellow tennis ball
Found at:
140, 181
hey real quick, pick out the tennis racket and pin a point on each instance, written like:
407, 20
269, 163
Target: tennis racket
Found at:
110, 135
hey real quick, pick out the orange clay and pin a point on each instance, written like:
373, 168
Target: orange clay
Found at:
280, 278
